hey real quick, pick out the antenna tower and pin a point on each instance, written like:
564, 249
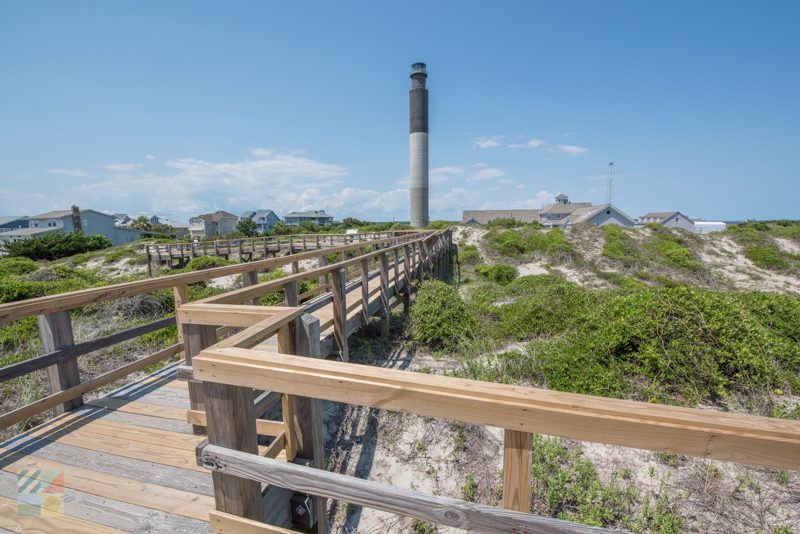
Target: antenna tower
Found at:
610, 182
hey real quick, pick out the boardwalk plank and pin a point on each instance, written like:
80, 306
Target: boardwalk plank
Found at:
61, 524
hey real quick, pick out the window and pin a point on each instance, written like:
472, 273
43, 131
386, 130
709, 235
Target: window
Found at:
608, 212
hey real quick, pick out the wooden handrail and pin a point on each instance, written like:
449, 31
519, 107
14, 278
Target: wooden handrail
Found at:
701, 433
13, 311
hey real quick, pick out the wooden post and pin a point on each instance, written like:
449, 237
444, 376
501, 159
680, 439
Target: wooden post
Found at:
317, 240
384, 259
517, 470
295, 267
340, 311
55, 332
322, 261
291, 291
364, 290
396, 271
250, 278
232, 424
197, 337
180, 294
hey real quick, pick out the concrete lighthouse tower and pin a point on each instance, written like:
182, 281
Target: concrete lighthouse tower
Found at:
418, 170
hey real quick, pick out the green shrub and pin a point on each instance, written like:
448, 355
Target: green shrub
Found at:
469, 255
680, 345
620, 246
17, 266
440, 320
206, 262
513, 243
116, 255
566, 486
500, 273
766, 257
672, 248
440, 225
508, 223
57, 245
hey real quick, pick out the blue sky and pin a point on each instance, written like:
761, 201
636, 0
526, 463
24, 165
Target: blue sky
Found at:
179, 108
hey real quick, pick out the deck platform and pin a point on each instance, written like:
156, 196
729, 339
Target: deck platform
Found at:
128, 458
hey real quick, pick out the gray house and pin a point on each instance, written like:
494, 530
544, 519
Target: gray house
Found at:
264, 219
209, 224
670, 219
316, 217
560, 214
92, 222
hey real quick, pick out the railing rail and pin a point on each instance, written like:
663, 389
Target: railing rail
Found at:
61, 352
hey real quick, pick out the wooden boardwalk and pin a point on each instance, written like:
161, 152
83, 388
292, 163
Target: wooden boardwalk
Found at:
128, 458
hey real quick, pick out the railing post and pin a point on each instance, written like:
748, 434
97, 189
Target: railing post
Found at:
231, 420
250, 278
197, 337
339, 279
396, 271
180, 295
55, 332
384, 259
295, 267
364, 290
407, 274
322, 261
292, 293
517, 470
303, 415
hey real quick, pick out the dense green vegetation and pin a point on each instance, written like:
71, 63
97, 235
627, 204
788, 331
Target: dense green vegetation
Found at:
663, 344
673, 247
500, 273
517, 242
620, 246
57, 245
469, 255
440, 319
510, 223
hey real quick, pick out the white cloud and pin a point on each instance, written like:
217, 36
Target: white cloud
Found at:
533, 143
487, 174
443, 174
505, 181
122, 167
149, 156
485, 142
261, 152
572, 150
66, 172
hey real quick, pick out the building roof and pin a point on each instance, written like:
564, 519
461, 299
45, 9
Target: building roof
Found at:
561, 195
216, 216
28, 231
257, 214
52, 215
310, 214
485, 216
660, 215
12, 218
566, 209
584, 214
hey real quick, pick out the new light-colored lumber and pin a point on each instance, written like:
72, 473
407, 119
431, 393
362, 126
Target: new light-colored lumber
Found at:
46, 524
226, 314
141, 408
265, 427
223, 523
517, 470
435, 508
702, 433
128, 490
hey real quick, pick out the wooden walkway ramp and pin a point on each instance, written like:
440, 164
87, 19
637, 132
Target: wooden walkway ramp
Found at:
128, 458
128, 465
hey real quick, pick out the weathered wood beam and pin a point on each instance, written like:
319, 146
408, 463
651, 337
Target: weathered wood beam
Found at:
434, 508
55, 333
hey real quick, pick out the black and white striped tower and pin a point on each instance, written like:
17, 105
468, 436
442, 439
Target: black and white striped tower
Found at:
418, 171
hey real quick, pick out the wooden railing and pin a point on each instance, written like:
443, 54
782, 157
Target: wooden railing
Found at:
61, 352
233, 368
264, 244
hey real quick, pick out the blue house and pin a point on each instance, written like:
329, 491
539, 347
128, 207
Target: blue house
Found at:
264, 219
316, 217
14, 222
92, 222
